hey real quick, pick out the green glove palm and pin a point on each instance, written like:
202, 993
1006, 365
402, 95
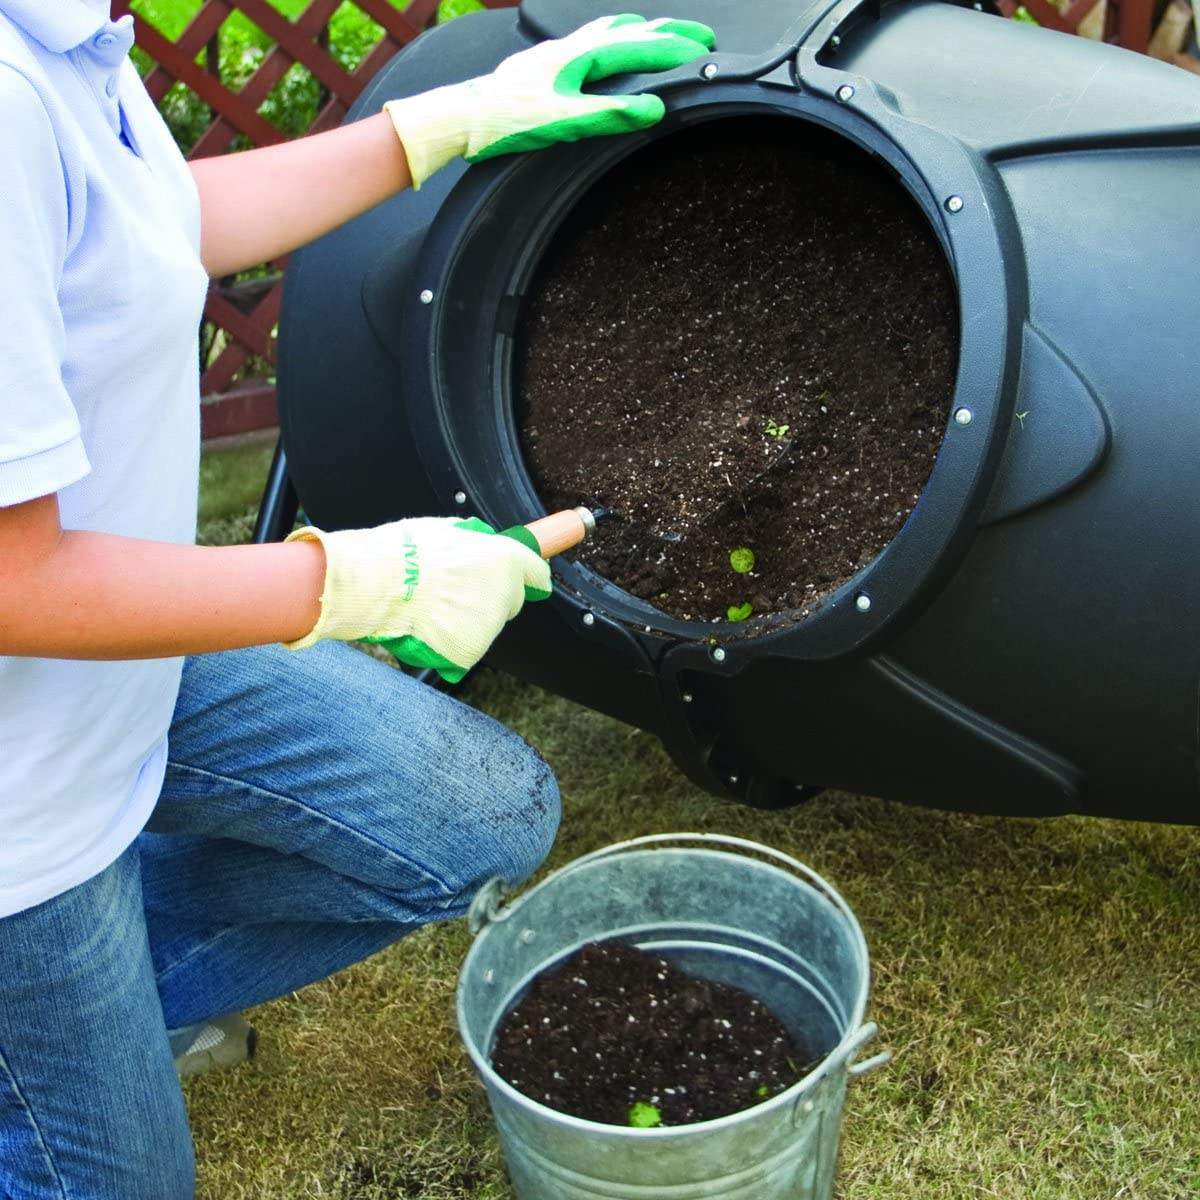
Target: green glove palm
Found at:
535, 98
434, 590
413, 652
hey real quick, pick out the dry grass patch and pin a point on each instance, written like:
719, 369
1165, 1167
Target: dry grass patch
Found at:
1038, 981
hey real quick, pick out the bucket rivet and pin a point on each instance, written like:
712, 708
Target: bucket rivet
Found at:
426, 296
836, 40
589, 618
460, 497
845, 93
527, 936
862, 602
489, 976
954, 204
963, 416
718, 655
687, 697
709, 70
809, 1106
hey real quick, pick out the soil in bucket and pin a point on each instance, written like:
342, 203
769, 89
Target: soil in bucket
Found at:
617, 1035
744, 337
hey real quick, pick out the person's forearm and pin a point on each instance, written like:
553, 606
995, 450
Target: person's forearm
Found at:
259, 204
97, 596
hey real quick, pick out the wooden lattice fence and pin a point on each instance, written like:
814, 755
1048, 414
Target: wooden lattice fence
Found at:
237, 388
239, 344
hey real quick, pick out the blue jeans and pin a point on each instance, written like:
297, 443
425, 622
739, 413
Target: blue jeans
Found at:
317, 806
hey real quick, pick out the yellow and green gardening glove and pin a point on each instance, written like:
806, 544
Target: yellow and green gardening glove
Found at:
436, 591
535, 98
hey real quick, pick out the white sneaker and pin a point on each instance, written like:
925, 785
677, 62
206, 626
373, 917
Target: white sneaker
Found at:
211, 1044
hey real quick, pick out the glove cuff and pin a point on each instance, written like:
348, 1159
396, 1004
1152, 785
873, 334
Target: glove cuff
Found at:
434, 127
354, 596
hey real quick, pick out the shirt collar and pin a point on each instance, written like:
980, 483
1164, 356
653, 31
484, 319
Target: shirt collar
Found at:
60, 25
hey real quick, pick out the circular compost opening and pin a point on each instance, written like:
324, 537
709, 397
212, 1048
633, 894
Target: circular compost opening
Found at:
743, 341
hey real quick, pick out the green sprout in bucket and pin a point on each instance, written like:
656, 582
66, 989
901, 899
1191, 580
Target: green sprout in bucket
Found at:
644, 1116
739, 612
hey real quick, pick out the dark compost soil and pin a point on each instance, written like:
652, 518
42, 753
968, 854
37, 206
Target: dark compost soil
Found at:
740, 277
613, 1026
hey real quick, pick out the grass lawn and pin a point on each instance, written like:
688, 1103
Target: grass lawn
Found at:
1039, 983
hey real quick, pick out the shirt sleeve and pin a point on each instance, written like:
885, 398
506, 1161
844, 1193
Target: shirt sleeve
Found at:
41, 450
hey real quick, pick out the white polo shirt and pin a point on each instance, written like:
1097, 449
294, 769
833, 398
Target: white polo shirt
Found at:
101, 292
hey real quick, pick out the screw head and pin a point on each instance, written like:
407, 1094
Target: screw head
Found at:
845, 93
426, 296
589, 618
718, 654
460, 497
709, 70
963, 416
862, 602
954, 204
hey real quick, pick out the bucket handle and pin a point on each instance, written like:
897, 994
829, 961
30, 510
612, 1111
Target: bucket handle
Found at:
856, 1070
742, 845
487, 908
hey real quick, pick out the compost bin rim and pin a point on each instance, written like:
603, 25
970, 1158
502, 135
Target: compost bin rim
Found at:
496, 482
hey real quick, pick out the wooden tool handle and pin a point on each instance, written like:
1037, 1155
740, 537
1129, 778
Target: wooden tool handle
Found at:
558, 532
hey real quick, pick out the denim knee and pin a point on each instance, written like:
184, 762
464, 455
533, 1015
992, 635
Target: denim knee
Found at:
512, 817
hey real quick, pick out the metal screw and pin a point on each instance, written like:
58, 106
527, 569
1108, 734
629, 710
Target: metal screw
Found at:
589, 618
426, 297
718, 654
460, 497
709, 70
963, 416
527, 936
845, 94
954, 204
862, 602
687, 697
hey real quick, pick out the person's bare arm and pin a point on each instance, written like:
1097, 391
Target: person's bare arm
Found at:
66, 594
259, 204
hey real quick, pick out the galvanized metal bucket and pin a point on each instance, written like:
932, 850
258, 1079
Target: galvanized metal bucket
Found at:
721, 908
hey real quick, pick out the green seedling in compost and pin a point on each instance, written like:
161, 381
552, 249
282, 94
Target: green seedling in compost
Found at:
742, 560
778, 432
644, 1116
1021, 417
739, 612
762, 1090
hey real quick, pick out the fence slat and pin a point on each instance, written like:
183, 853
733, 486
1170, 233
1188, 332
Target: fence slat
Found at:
206, 86
301, 48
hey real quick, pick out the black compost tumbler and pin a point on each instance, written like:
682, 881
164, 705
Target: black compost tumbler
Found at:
1029, 643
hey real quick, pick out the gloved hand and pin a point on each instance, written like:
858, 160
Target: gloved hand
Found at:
534, 98
435, 591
